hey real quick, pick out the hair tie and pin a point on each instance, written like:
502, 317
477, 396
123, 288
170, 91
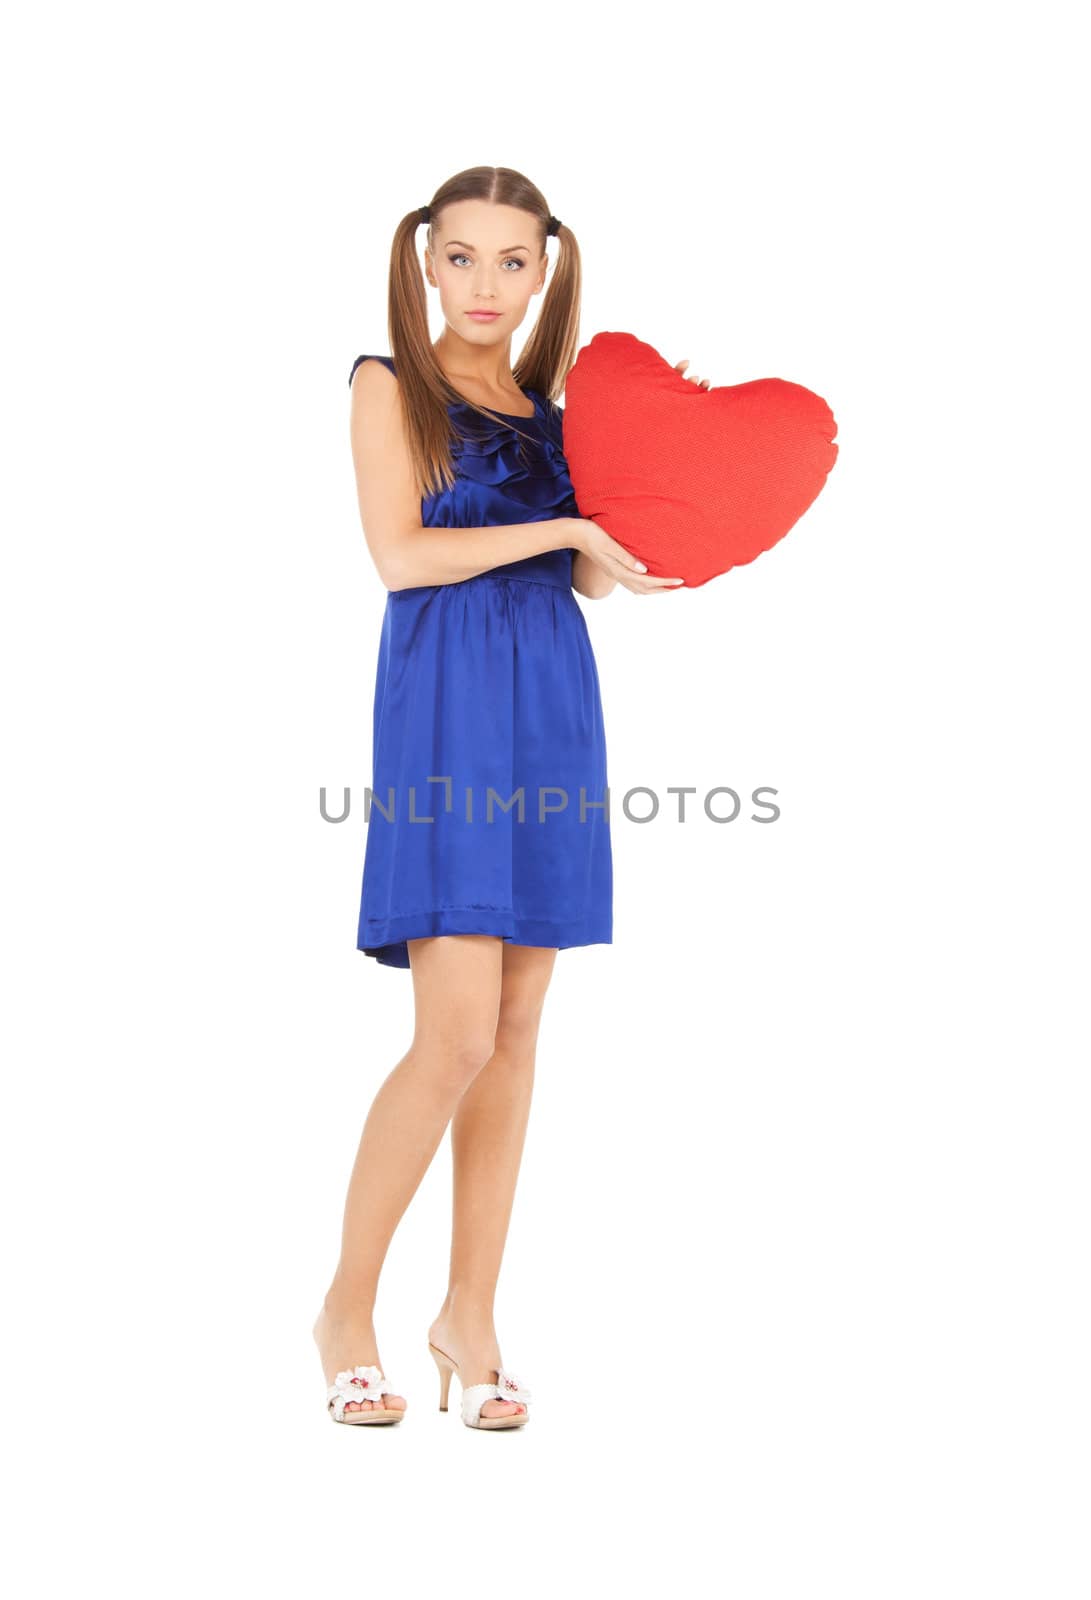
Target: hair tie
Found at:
425, 214
553, 224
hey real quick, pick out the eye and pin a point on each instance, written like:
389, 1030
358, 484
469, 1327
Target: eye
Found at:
509, 260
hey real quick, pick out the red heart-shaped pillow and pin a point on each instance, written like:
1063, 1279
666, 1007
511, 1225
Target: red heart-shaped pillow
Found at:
691, 481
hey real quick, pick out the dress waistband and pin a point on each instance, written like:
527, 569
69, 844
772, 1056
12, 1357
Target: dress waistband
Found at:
554, 567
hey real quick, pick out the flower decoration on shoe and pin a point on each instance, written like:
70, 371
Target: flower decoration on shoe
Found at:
509, 1387
363, 1383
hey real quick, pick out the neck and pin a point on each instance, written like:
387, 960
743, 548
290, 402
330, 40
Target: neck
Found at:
486, 365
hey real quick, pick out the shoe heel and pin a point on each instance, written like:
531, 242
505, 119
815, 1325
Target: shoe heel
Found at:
446, 1366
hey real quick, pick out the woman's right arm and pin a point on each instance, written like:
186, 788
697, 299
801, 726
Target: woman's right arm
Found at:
405, 553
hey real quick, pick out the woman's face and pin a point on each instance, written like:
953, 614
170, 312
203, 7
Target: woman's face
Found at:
485, 258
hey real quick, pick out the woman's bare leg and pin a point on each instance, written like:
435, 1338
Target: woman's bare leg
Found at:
457, 980
487, 1137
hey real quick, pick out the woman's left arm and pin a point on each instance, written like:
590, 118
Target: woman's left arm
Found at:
588, 578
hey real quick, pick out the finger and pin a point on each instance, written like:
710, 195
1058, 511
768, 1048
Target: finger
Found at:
626, 560
651, 585
654, 581
678, 365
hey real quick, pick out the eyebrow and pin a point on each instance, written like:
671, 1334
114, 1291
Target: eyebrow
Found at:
506, 252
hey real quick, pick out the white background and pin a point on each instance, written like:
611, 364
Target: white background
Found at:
798, 1264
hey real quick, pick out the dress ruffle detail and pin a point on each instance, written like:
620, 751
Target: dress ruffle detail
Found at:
524, 456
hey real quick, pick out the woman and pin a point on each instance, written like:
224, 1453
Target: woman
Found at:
488, 844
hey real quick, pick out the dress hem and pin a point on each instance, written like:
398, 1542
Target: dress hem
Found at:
386, 940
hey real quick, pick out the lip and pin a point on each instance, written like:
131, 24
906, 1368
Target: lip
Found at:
483, 316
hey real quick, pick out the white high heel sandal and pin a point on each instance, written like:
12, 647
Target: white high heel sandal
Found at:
359, 1384
506, 1387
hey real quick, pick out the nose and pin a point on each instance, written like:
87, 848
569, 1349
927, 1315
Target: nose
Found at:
484, 287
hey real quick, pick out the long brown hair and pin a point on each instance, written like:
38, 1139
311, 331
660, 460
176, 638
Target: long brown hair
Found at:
546, 358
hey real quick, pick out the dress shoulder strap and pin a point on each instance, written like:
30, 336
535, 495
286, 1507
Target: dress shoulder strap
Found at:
387, 361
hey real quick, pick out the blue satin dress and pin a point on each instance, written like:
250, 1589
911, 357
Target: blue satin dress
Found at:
489, 809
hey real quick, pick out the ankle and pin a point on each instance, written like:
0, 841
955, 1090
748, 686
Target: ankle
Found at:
347, 1302
468, 1305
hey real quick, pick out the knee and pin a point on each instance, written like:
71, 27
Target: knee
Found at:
517, 1028
454, 1062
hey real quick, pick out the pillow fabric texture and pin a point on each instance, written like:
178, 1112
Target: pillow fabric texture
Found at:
691, 481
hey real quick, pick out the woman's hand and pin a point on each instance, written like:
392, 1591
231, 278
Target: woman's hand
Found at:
615, 560
702, 383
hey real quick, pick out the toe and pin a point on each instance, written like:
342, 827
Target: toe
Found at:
390, 1402
499, 1408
